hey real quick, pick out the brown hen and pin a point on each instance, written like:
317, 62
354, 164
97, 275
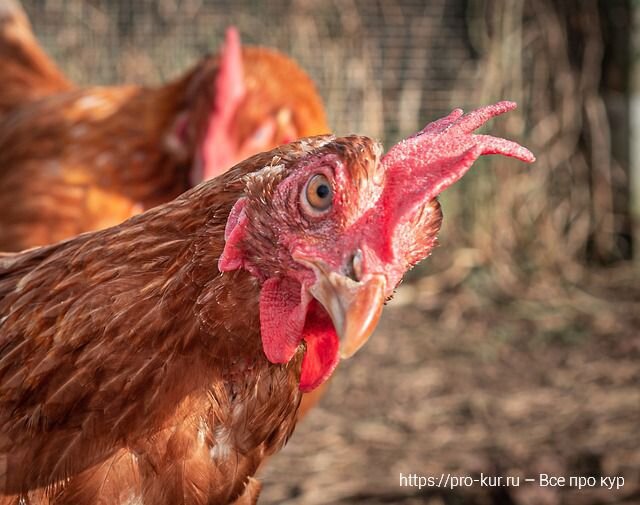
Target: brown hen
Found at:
74, 160
161, 360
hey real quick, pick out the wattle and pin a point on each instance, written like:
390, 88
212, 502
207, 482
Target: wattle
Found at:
288, 315
323, 344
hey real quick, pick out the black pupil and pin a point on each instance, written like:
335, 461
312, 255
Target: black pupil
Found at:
323, 191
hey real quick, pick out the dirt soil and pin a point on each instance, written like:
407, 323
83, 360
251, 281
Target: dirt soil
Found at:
472, 389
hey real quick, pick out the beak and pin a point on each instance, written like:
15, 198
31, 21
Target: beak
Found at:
354, 306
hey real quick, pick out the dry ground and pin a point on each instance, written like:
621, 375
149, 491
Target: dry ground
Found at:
504, 388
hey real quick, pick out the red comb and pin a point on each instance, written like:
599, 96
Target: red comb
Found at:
218, 147
230, 82
442, 152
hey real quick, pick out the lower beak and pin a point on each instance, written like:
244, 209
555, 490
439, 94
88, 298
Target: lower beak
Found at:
354, 306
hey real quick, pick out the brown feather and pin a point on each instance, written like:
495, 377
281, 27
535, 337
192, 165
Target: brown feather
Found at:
27, 72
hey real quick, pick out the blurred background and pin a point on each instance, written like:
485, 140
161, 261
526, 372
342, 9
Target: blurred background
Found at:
515, 349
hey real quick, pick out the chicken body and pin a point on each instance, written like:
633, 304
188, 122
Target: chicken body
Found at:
51, 188
161, 360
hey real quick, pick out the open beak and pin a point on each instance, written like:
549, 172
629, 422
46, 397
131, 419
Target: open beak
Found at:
354, 306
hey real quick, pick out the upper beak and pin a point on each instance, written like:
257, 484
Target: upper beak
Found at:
354, 306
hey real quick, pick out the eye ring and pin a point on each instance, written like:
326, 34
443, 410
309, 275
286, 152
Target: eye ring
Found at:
318, 194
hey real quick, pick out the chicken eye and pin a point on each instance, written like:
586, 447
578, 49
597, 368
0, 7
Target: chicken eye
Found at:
318, 193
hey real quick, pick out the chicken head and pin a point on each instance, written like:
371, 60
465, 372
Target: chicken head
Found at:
329, 231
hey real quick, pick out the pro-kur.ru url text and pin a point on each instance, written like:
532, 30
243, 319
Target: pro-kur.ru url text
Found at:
451, 481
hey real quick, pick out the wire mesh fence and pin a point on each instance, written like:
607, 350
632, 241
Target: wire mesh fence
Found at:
382, 67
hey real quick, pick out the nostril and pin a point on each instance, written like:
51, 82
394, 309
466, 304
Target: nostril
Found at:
354, 267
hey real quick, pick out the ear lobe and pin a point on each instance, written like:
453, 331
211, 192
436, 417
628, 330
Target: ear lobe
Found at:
177, 138
287, 130
232, 257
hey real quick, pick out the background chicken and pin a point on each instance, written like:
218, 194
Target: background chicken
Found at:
85, 159
161, 360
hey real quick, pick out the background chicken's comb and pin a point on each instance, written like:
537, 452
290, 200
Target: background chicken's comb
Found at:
230, 86
229, 92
